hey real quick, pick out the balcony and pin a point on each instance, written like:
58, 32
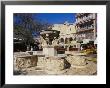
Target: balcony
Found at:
91, 16
85, 29
91, 27
85, 19
79, 21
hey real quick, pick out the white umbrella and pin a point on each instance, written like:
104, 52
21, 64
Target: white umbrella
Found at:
95, 42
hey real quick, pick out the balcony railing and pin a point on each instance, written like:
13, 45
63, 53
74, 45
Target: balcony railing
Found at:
84, 29
90, 16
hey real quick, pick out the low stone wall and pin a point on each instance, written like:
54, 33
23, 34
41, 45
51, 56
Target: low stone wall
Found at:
41, 62
23, 62
76, 60
51, 65
54, 65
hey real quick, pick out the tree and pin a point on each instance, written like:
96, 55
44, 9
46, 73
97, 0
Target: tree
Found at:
25, 26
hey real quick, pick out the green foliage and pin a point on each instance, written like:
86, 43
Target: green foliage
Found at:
24, 34
25, 25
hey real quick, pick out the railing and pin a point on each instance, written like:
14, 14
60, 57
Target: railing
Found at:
90, 16
91, 27
84, 29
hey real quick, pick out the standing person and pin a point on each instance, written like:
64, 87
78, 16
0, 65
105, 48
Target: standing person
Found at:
31, 48
27, 48
81, 47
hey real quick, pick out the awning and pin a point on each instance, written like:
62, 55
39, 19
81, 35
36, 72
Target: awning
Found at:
95, 42
85, 41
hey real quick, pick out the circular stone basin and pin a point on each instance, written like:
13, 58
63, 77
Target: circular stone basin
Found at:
50, 34
48, 31
26, 61
54, 65
77, 61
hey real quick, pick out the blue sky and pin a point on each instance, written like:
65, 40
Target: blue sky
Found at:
51, 18
55, 18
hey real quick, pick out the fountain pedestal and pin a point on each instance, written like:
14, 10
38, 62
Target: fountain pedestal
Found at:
54, 65
49, 51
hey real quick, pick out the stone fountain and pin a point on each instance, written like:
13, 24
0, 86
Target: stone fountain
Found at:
49, 42
53, 63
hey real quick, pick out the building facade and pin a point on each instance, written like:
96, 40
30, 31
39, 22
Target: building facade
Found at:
86, 27
67, 34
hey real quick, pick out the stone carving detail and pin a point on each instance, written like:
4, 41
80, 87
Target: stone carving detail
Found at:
41, 62
26, 62
43, 42
55, 42
54, 65
76, 60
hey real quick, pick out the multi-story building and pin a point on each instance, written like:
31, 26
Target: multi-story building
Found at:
86, 27
67, 31
67, 34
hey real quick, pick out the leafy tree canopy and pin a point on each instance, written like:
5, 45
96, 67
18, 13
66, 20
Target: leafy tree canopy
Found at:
25, 25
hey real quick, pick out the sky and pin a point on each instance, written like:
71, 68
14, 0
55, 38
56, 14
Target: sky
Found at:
52, 18
55, 18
